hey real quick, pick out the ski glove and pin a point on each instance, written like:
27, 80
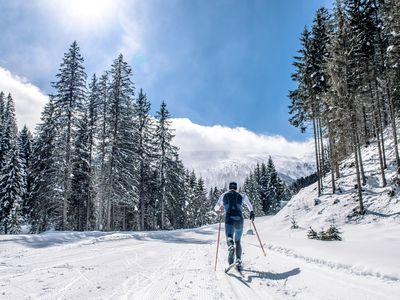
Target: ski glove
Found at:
252, 215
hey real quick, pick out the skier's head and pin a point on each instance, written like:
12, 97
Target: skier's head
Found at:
233, 186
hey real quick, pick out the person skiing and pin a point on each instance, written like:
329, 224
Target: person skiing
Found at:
231, 202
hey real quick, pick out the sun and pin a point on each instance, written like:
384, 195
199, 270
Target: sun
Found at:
85, 14
88, 10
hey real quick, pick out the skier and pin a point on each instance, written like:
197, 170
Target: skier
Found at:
231, 202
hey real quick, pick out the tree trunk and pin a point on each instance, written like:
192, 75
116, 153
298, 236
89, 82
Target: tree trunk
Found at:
380, 152
331, 159
322, 148
364, 182
393, 123
316, 157
366, 133
380, 130
357, 171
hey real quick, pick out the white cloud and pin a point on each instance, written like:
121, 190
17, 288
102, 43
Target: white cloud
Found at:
28, 98
201, 146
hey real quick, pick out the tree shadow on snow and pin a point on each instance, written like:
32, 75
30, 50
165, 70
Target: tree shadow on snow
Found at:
271, 276
374, 213
49, 239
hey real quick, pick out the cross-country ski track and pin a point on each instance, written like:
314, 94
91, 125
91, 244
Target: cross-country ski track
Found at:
175, 265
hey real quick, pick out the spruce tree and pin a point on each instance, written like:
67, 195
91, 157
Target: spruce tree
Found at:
80, 204
70, 93
176, 185
2, 127
102, 149
12, 189
120, 130
25, 145
145, 149
166, 154
46, 190
10, 131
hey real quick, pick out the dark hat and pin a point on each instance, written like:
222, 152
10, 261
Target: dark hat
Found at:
233, 186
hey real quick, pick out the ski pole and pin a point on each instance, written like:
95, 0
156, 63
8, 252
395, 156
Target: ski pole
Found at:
216, 255
252, 222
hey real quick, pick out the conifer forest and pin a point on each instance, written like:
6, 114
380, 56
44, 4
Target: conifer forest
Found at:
99, 160
347, 74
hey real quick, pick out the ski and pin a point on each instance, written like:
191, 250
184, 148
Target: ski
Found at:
230, 267
237, 268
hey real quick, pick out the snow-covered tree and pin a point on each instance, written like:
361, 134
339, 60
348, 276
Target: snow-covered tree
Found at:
102, 149
81, 204
46, 190
166, 154
120, 132
25, 145
70, 93
12, 189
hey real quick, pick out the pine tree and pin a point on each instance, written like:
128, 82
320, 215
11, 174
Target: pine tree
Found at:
305, 105
176, 185
80, 204
145, 149
12, 175
2, 127
10, 131
121, 181
70, 95
192, 205
391, 20
12, 189
47, 182
204, 213
102, 149
166, 154
25, 145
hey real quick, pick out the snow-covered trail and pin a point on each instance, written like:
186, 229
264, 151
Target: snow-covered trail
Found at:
169, 265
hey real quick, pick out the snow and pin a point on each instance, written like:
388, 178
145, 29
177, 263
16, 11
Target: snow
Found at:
180, 264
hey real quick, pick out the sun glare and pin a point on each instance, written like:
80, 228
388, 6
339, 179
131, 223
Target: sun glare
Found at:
90, 10
84, 13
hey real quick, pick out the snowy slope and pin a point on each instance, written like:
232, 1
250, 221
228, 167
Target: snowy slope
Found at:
380, 206
180, 265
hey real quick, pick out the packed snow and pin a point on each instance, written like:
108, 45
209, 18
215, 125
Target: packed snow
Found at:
180, 265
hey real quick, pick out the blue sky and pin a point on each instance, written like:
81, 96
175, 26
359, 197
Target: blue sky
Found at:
214, 62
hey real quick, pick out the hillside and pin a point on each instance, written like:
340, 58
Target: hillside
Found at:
338, 208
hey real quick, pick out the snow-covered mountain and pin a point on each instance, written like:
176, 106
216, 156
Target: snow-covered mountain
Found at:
218, 172
221, 154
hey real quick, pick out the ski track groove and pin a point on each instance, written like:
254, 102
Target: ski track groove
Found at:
148, 292
349, 269
68, 263
349, 280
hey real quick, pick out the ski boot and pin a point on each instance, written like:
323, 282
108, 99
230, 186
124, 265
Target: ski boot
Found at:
239, 265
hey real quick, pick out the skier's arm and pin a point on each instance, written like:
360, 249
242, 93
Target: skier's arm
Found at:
219, 203
247, 202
